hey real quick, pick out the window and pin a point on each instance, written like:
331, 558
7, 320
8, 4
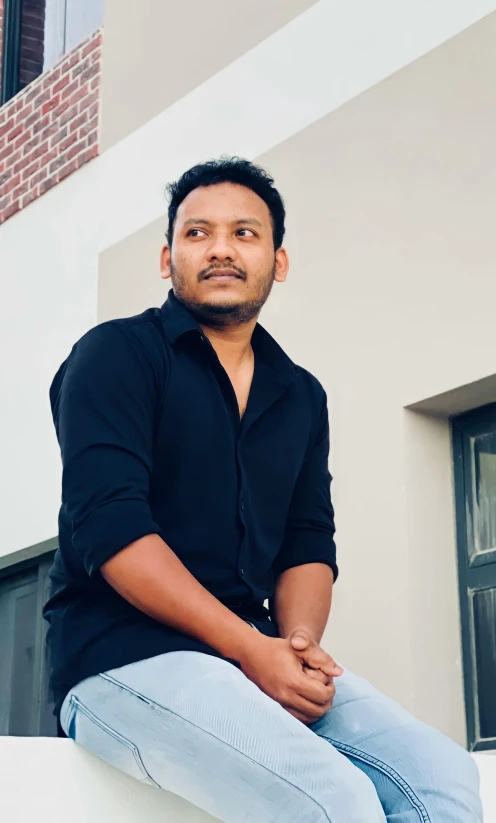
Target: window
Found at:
474, 446
37, 32
25, 705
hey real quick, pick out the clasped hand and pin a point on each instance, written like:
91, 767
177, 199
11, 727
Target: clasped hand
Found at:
294, 671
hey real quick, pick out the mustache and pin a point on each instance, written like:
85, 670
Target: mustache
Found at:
229, 266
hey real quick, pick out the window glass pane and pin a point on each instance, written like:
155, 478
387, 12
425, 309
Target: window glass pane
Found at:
482, 507
22, 703
484, 613
82, 19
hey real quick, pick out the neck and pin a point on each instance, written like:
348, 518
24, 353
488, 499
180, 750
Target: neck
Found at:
232, 343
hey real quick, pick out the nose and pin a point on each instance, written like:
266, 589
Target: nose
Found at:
222, 249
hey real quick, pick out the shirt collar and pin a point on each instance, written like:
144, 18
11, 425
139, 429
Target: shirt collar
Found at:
177, 320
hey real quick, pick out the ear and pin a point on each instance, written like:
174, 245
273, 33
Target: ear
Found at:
282, 265
165, 263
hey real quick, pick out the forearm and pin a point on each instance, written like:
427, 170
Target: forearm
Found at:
151, 577
303, 599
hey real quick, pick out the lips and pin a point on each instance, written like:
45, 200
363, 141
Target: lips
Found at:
218, 275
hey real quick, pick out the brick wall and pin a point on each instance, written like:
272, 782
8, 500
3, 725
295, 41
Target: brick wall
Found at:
51, 128
32, 39
1, 38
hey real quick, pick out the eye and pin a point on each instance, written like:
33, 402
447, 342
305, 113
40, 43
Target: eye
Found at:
248, 232
199, 233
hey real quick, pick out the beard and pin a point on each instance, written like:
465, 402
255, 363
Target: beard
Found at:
223, 314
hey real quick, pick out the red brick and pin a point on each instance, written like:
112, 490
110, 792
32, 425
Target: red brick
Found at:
20, 191
60, 135
69, 169
52, 129
24, 112
41, 98
13, 133
90, 153
95, 83
51, 104
89, 128
61, 108
94, 109
70, 89
32, 93
29, 197
68, 142
23, 138
79, 68
91, 46
70, 61
10, 211
90, 72
38, 152
63, 82
80, 94
32, 144
31, 169
31, 120
68, 115
5, 201
12, 184
41, 124
40, 176
57, 163
4, 128
89, 100
79, 121
47, 184
7, 151
79, 148
4, 178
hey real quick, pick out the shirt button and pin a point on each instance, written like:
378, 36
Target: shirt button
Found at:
242, 505
242, 572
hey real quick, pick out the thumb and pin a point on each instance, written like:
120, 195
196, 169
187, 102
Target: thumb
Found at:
300, 640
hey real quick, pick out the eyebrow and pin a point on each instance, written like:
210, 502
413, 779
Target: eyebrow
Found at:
200, 221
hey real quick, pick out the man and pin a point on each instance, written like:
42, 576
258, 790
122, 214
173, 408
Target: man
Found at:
195, 489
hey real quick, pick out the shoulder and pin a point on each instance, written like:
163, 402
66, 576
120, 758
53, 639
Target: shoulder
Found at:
313, 389
127, 345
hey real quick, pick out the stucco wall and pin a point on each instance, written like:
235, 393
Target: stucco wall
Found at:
65, 781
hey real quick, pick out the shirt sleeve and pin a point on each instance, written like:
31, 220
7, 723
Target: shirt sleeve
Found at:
309, 532
103, 401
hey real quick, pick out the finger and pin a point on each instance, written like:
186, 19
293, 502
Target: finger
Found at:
317, 674
307, 708
300, 641
299, 716
312, 690
317, 658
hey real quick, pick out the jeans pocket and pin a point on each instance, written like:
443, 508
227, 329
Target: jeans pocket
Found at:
104, 742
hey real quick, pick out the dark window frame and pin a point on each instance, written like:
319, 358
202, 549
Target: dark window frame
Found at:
11, 49
14, 574
476, 571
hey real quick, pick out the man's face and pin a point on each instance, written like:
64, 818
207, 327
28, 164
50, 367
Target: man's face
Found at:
222, 261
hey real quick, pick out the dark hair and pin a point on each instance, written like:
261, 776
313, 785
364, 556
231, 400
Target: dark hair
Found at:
229, 170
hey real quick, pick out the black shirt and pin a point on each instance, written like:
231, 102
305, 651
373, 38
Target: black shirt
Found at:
152, 443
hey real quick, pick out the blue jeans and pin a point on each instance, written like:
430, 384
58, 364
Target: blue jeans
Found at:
195, 725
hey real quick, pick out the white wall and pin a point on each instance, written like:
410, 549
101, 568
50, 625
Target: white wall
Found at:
48, 253
48, 295
67, 783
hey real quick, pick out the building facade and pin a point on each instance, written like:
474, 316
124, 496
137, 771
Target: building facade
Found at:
378, 123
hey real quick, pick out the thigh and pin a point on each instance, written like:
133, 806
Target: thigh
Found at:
195, 725
420, 775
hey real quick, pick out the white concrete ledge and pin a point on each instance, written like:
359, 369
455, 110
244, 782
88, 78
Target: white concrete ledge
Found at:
51, 781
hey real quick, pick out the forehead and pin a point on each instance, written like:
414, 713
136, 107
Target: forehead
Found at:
223, 203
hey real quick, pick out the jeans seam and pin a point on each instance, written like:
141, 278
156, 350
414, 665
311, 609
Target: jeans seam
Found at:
156, 705
116, 735
385, 769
